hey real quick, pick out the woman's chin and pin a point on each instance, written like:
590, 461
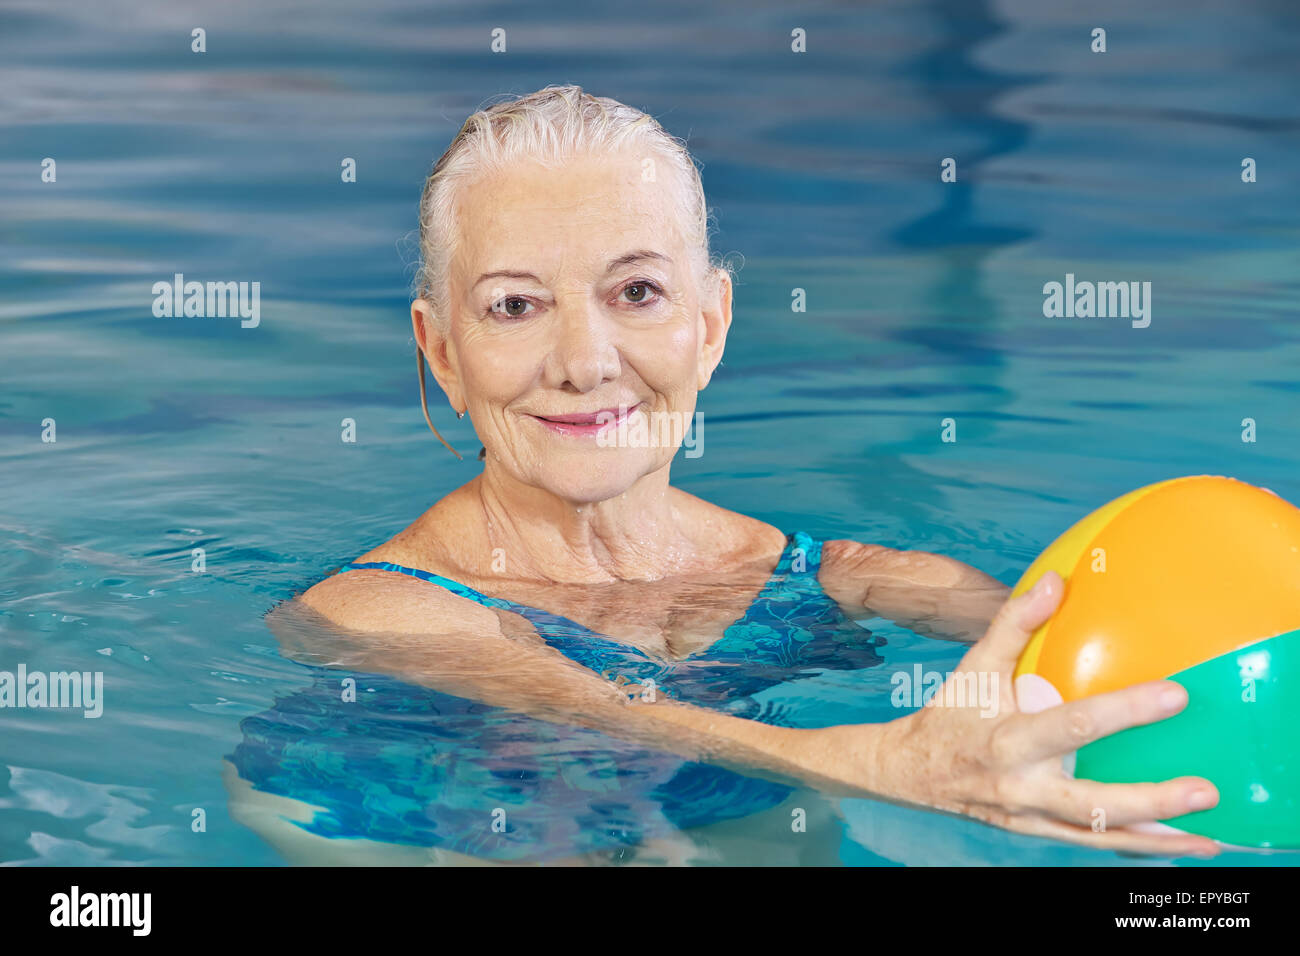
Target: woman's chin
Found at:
583, 484
579, 492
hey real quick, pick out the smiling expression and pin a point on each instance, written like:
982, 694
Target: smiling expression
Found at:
575, 304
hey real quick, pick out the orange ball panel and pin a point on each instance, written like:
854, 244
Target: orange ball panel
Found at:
1064, 555
1195, 569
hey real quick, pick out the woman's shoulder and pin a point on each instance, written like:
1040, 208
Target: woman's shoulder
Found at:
751, 538
372, 601
732, 539
378, 600
432, 542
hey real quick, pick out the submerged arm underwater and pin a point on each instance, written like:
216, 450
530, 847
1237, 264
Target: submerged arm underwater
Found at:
1002, 768
930, 594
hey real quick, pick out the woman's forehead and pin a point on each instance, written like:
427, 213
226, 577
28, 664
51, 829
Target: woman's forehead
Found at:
583, 213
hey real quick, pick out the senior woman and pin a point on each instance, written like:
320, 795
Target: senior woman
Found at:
567, 293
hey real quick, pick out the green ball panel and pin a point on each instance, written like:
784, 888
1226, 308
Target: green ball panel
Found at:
1248, 748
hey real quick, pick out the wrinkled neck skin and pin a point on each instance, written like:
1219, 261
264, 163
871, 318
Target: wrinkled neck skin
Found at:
641, 534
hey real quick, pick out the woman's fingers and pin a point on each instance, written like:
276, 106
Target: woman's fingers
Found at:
1090, 803
1013, 779
1026, 738
1118, 839
1016, 620
1031, 738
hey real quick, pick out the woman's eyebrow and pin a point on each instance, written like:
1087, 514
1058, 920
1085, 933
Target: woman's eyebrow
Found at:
505, 274
636, 256
623, 260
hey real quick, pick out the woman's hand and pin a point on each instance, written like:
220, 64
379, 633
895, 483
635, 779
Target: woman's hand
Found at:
1006, 769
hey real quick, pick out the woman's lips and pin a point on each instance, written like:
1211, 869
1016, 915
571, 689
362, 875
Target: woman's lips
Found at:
588, 423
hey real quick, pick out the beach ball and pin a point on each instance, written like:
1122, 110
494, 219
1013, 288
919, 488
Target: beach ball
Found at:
1196, 580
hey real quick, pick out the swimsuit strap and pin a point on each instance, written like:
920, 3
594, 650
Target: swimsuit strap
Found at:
802, 554
455, 587
800, 559
792, 604
793, 582
545, 621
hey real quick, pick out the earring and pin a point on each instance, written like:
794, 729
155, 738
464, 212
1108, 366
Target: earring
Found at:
460, 414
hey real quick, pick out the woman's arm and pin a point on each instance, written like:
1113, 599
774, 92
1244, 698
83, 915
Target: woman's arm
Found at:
1004, 768
381, 623
927, 593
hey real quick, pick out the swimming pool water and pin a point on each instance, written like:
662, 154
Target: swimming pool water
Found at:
924, 302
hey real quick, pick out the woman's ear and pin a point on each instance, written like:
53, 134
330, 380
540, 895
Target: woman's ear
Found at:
715, 322
438, 350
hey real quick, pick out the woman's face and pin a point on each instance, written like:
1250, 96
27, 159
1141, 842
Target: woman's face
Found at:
579, 332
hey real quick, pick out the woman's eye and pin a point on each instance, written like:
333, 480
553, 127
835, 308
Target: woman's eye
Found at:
512, 306
640, 292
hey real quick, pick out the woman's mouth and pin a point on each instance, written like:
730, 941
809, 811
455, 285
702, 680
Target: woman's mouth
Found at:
583, 424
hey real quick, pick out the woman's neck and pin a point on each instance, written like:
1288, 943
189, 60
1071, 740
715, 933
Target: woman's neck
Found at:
531, 533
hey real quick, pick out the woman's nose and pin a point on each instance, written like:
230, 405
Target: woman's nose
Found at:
585, 352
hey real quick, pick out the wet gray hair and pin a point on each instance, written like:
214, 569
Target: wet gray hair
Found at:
549, 127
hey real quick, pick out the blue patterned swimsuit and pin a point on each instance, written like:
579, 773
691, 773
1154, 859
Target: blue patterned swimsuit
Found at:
410, 765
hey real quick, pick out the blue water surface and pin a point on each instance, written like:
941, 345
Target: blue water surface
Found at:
924, 303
